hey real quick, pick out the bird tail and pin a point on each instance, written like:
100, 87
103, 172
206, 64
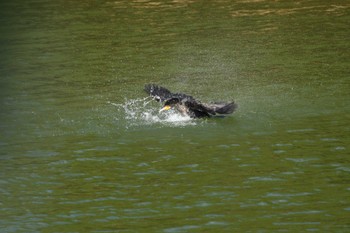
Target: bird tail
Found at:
223, 108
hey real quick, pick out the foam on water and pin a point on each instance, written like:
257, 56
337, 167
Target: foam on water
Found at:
145, 111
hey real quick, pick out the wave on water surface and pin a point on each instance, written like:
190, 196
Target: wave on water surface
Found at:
145, 111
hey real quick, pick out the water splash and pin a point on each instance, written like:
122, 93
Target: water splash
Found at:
145, 111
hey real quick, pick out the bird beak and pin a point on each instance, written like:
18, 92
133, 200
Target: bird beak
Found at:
166, 107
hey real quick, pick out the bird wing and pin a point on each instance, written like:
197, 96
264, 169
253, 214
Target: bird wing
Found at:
162, 94
198, 109
157, 92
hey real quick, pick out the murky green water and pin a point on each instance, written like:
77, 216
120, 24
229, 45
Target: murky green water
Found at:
83, 150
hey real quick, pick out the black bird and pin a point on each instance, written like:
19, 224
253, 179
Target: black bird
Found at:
186, 104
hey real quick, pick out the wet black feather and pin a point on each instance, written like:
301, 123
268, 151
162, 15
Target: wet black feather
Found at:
187, 105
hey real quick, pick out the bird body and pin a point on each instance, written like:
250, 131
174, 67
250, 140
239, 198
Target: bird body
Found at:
186, 104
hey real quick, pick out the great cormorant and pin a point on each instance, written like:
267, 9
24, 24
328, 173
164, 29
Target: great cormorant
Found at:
186, 104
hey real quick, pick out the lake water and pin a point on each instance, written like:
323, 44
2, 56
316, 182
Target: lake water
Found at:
83, 149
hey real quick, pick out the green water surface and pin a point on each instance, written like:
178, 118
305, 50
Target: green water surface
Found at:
84, 150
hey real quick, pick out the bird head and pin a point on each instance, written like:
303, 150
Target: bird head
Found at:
170, 103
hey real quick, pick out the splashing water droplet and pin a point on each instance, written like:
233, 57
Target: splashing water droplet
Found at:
145, 111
